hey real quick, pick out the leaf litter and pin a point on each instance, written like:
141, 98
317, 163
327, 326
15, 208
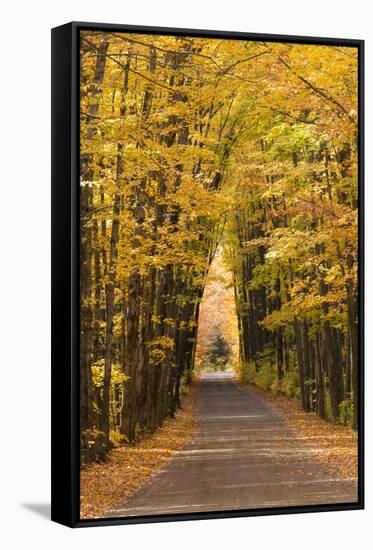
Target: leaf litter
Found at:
106, 484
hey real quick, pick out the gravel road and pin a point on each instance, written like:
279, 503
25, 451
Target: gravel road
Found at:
243, 456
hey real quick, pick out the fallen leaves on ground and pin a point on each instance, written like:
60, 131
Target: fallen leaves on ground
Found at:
104, 485
335, 446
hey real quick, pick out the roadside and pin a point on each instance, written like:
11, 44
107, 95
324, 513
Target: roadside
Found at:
103, 485
333, 445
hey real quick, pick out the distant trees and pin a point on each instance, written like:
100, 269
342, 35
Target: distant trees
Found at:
184, 140
219, 353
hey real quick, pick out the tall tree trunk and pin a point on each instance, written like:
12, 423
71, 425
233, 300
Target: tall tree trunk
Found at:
109, 292
86, 310
319, 375
353, 341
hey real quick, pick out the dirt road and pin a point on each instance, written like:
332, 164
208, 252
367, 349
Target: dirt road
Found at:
243, 456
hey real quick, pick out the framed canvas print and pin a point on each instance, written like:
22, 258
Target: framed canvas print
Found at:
207, 279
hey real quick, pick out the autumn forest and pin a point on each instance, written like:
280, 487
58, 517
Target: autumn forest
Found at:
218, 227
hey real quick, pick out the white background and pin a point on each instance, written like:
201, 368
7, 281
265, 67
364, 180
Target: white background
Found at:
25, 259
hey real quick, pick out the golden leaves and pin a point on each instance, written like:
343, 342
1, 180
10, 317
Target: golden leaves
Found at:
107, 484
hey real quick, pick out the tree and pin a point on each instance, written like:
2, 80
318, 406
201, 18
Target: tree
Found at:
219, 353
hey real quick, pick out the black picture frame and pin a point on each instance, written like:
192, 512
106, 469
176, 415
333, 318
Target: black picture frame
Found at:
65, 274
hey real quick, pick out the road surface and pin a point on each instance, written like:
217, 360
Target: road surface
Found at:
242, 456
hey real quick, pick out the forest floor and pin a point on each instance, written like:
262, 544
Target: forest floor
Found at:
105, 484
336, 444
